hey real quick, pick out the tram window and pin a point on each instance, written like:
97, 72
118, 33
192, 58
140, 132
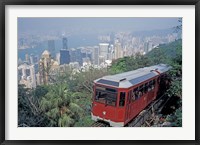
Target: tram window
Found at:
141, 90
150, 85
146, 87
135, 94
111, 100
122, 99
154, 82
106, 97
100, 96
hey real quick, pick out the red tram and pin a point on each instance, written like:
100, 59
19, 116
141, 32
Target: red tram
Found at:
119, 98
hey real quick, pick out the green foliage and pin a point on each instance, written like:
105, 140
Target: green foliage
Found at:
65, 120
75, 108
175, 89
84, 122
60, 107
29, 113
129, 63
176, 118
118, 66
176, 73
166, 53
53, 113
40, 91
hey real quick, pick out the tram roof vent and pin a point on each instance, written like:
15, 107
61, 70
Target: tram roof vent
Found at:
122, 79
153, 69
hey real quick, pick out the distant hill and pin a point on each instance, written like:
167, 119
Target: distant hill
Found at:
161, 32
167, 51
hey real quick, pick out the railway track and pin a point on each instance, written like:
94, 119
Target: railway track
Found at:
99, 124
152, 109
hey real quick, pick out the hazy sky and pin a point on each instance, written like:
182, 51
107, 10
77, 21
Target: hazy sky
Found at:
89, 25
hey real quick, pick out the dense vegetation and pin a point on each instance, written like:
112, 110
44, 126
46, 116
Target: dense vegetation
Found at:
67, 102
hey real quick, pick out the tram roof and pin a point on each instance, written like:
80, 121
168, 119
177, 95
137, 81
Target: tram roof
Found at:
131, 78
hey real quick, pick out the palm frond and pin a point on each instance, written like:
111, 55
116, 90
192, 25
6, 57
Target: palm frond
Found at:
75, 108
65, 121
53, 113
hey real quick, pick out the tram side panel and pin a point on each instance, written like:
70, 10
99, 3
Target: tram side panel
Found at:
140, 98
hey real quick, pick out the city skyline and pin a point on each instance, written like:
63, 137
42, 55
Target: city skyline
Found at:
53, 51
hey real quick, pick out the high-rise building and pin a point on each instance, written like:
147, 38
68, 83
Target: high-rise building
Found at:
65, 43
95, 55
103, 51
118, 50
64, 53
44, 67
27, 58
38, 79
32, 59
79, 57
32, 75
58, 58
64, 57
112, 52
101, 60
51, 47
73, 56
26, 75
89, 55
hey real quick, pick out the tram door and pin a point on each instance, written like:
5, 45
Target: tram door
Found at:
128, 106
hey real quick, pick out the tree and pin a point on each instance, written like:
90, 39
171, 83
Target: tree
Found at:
176, 118
178, 28
29, 113
59, 106
40, 91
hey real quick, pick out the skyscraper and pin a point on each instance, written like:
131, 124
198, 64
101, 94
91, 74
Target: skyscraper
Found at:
31, 59
79, 57
32, 75
51, 47
26, 75
58, 57
118, 50
64, 57
44, 67
95, 55
27, 58
103, 51
65, 43
73, 55
64, 53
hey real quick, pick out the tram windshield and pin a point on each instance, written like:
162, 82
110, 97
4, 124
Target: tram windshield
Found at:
107, 96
